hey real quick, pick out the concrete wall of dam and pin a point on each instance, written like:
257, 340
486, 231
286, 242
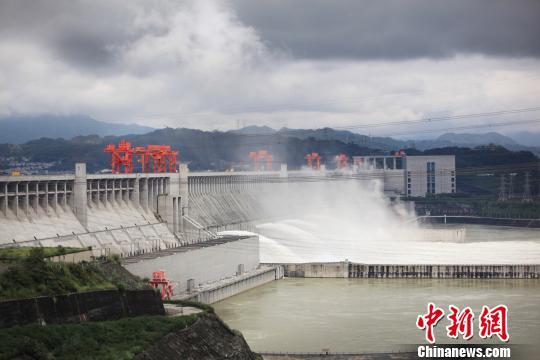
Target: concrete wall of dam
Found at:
432, 271
144, 212
72, 210
126, 213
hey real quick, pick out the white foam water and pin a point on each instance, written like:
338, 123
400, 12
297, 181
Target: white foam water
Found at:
355, 221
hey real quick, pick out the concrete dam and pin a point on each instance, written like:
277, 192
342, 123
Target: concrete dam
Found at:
178, 222
125, 214
151, 220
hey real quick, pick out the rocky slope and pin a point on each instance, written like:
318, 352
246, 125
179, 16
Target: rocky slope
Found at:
209, 338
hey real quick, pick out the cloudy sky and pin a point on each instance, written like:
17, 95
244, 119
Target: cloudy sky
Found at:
214, 64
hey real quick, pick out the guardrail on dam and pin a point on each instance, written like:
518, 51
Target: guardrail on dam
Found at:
414, 271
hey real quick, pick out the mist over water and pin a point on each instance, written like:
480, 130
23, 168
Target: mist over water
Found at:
354, 220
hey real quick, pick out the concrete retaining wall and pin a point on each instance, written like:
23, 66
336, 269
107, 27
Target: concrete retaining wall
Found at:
480, 220
445, 271
317, 270
238, 284
80, 307
77, 257
202, 265
354, 270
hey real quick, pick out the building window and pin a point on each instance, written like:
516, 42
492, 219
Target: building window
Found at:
409, 186
408, 192
430, 178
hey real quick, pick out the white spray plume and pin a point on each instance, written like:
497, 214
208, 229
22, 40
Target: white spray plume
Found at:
355, 220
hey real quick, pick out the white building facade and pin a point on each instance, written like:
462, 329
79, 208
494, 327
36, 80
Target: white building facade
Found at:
410, 175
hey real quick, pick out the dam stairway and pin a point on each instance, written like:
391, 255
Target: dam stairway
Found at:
200, 227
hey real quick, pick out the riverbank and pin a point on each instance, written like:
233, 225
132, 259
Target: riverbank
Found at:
101, 311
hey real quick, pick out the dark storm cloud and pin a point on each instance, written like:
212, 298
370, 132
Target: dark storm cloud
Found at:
392, 29
89, 33
88, 51
82, 32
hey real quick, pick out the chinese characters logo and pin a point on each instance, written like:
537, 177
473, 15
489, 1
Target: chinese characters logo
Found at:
492, 321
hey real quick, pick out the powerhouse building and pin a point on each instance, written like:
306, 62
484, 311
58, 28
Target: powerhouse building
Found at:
410, 175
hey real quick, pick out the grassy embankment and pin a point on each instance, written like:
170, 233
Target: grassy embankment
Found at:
19, 253
120, 339
29, 274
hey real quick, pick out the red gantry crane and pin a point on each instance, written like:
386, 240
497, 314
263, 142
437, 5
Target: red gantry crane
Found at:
121, 156
159, 279
313, 161
258, 157
161, 157
342, 161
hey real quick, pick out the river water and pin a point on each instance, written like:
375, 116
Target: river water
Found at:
370, 315
365, 315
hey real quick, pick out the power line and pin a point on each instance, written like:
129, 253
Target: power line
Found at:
441, 118
408, 122
480, 126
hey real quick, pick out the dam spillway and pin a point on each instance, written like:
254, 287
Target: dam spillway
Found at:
307, 214
110, 211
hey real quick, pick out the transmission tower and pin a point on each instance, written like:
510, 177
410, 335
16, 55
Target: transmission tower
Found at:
527, 189
502, 189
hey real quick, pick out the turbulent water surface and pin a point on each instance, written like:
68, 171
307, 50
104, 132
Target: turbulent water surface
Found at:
327, 239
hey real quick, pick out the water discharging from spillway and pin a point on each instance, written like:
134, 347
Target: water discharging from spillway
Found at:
355, 221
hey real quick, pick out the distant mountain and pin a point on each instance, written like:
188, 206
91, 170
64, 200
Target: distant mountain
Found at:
20, 129
216, 150
254, 130
388, 143
348, 137
201, 150
527, 138
476, 139
472, 140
